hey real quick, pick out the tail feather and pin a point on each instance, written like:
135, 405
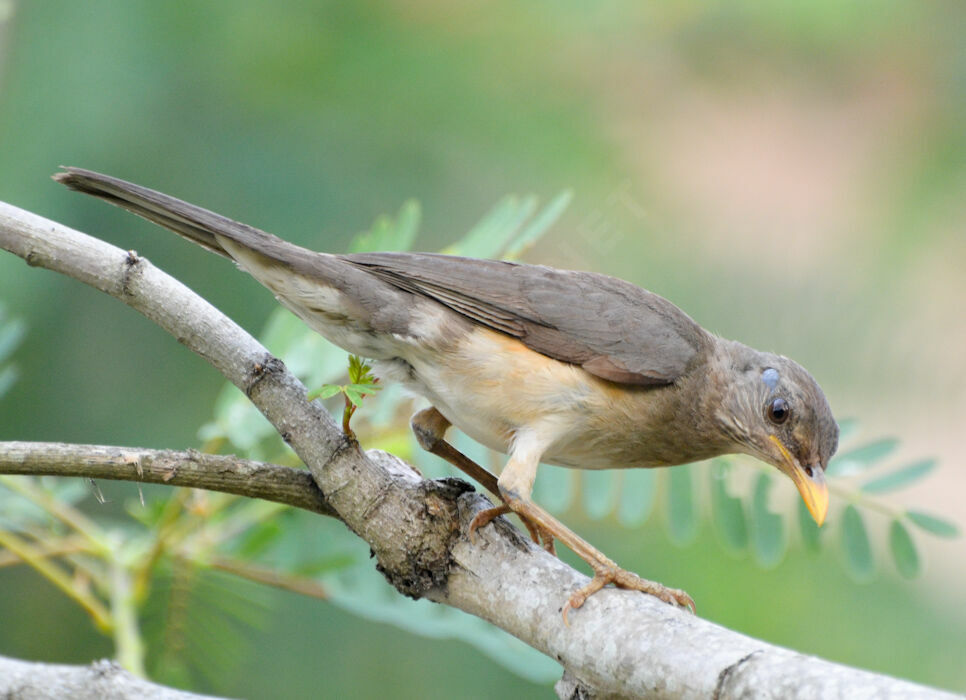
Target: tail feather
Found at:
187, 220
347, 304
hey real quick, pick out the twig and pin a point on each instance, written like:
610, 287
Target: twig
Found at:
295, 584
52, 550
57, 576
225, 473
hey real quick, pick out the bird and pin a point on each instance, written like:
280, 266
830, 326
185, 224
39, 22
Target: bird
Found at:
545, 365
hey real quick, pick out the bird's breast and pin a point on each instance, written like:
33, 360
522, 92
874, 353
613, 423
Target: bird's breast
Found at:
491, 386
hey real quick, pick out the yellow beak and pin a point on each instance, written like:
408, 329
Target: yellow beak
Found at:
812, 488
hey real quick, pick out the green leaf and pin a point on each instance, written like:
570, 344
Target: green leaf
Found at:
636, 497
360, 375
387, 235
326, 391
407, 225
899, 478
356, 368
237, 419
532, 232
359, 371
682, 513
933, 524
730, 523
492, 234
597, 489
767, 528
861, 458
811, 532
903, 550
216, 606
258, 538
855, 544
353, 394
365, 388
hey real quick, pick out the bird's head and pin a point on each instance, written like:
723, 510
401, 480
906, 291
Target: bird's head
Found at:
774, 410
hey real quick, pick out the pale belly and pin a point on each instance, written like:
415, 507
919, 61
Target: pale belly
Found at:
492, 387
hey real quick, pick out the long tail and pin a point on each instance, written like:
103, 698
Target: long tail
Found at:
187, 220
339, 299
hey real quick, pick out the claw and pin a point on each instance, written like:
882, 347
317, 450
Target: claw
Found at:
538, 534
622, 578
548, 543
430, 426
485, 516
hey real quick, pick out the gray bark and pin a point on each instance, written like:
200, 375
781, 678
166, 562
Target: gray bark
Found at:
101, 680
225, 473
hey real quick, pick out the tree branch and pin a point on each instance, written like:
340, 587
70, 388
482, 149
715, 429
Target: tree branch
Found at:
225, 473
620, 644
99, 680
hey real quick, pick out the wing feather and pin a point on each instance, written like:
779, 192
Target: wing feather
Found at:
611, 328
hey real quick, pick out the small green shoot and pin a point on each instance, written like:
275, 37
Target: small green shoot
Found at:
361, 383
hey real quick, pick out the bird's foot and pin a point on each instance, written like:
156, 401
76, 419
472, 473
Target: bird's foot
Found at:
538, 534
611, 573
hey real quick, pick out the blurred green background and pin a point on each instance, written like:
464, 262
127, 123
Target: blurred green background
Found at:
791, 174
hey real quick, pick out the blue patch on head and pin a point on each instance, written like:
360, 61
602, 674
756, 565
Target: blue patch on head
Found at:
770, 377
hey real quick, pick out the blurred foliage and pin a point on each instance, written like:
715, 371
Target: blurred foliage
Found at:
164, 587
309, 118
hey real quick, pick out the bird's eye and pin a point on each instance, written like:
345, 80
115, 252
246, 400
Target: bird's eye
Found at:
778, 411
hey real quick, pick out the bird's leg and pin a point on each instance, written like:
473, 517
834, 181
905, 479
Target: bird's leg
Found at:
429, 426
516, 484
605, 570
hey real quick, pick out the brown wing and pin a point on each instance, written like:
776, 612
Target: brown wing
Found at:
611, 328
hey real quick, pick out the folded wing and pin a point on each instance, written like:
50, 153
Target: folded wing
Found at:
613, 329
